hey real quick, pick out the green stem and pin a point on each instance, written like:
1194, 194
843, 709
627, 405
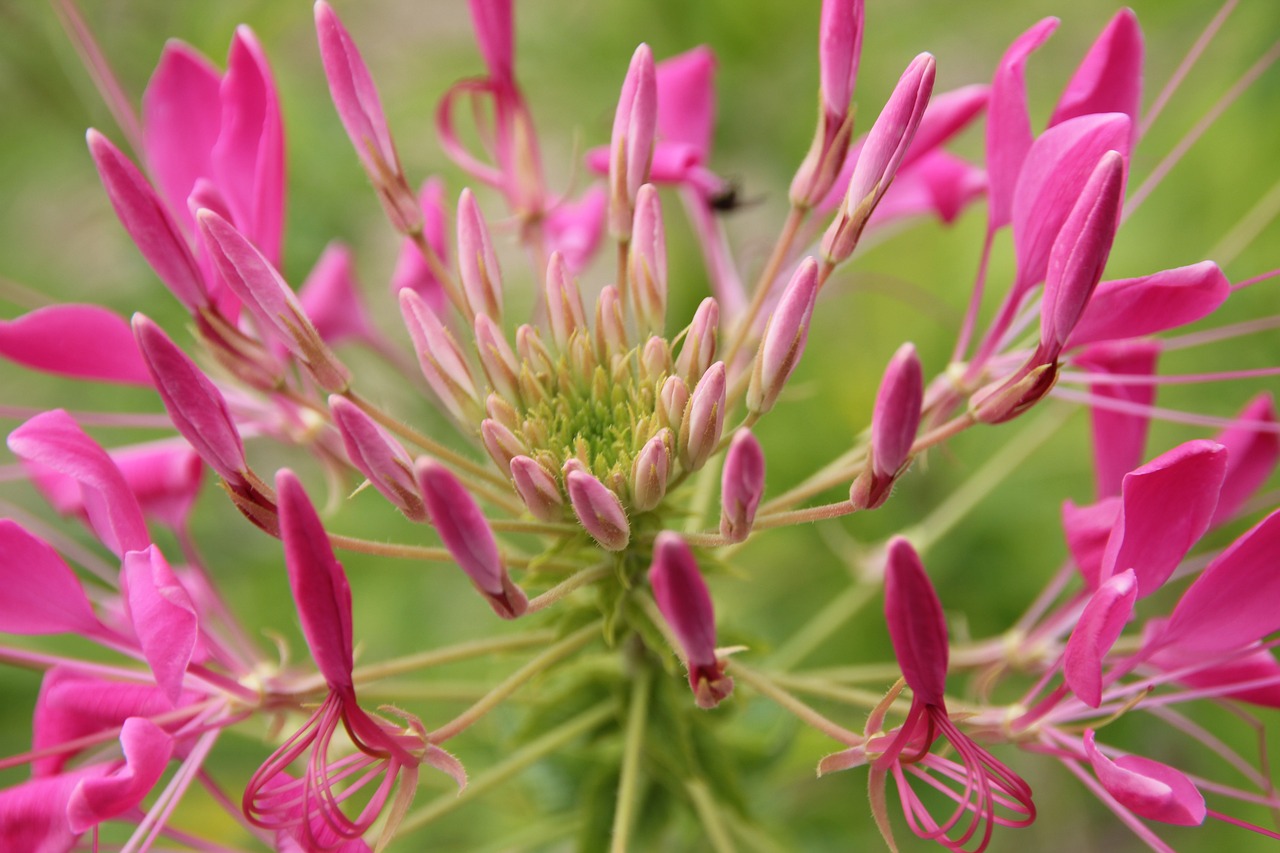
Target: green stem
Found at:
709, 815
823, 690
816, 630
629, 780
517, 761
568, 585
516, 680
451, 654
766, 686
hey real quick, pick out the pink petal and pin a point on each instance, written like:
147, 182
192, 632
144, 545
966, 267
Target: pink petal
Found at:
1251, 456
1132, 307
1119, 438
494, 27
353, 92
1147, 788
55, 440
1008, 126
149, 223
378, 456
41, 593
146, 749
896, 415
320, 588
938, 183
574, 228
1099, 627
181, 117
163, 617
248, 159
1221, 676
331, 298
1165, 508
103, 348
686, 99
784, 338
1109, 79
33, 815
1087, 530
411, 269
1233, 602
1054, 173
741, 486
682, 598
916, 625
839, 48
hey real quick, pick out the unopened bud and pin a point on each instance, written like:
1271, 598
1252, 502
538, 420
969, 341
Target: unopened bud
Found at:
440, 358
647, 267
597, 508
672, 401
379, 457
699, 347
894, 422
611, 327
741, 486
703, 419
501, 443
537, 488
784, 338
631, 145
649, 473
477, 262
565, 313
655, 359
496, 357
684, 602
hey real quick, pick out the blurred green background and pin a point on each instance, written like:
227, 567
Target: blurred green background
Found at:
59, 238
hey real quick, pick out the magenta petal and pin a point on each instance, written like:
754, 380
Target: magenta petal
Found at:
248, 159
896, 415
148, 222
378, 456
1087, 530
331, 298
1097, 630
353, 92
1220, 676
1109, 79
1132, 307
839, 49
1119, 438
41, 593
938, 183
146, 749
1008, 126
1233, 602
682, 598
1054, 174
33, 815
163, 617
686, 99
494, 27
412, 270
55, 440
741, 486
1147, 788
320, 588
1252, 452
574, 228
181, 116
103, 347
916, 625
1165, 507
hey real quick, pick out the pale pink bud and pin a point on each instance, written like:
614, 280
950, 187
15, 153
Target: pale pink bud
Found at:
655, 359
684, 602
533, 351
275, 306
649, 472
501, 443
741, 486
598, 509
703, 419
148, 222
537, 488
839, 46
497, 358
1147, 788
672, 400
477, 262
502, 411
699, 347
611, 327
894, 422
360, 109
648, 261
440, 358
465, 532
1080, 253
631, 144
784, 338
881, 154
378, 456
565, 313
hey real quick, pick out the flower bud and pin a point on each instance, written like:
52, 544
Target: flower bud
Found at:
597, 508
839, 46
684, 602
649, 472
379, 457
741, 486
631, 144
441, 360
894, 422
673, 398
565, 314
784, 338
699, 347
703, 419
464, 531
647, 267
611, 327
537, 488
501, 443
496, 357
477, 262
655, 359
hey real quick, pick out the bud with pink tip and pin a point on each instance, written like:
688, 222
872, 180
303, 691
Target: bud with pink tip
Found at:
894, 422
650, 470
379, 457
673, 398
648, 262
360, 109
839, 46
741, 486
703, 420
611, 327
501, 443
597, 507
441, 360
496, 357
655, 359
631, 144
699, 347
477, 262
684, 602
878, 162
565, 314
464, 531
537, 488
784, 338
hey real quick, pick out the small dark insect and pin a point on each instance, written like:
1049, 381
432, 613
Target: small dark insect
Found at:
729, 197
